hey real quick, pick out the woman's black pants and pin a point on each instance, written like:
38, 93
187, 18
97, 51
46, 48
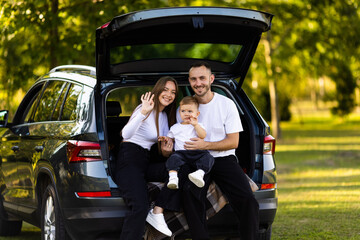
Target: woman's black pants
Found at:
135, 167
133, 171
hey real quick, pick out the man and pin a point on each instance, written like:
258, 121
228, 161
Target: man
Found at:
221, 119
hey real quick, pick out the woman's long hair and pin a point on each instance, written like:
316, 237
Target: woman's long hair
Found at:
170, 110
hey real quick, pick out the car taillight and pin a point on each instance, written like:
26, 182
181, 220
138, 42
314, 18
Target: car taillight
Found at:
269, 145
94, 194
83, 151
267, 186
105, 25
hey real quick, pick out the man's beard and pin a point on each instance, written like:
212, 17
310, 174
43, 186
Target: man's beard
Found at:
205, 89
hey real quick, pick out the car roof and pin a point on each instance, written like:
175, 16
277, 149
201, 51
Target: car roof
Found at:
82, 74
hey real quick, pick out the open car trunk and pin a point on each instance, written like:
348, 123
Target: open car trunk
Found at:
167, 41
123, 99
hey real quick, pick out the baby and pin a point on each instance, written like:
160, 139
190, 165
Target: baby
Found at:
181, 133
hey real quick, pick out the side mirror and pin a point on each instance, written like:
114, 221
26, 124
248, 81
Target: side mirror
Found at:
4, 115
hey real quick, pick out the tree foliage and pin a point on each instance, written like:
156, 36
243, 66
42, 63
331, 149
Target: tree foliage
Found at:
310, 39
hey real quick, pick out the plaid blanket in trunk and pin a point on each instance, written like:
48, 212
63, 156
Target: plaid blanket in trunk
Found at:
176, 221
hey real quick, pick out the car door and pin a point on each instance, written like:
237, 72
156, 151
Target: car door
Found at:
33, 134
8, 167
11, 149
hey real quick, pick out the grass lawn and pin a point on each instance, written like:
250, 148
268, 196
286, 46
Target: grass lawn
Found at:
318, 162
318, 178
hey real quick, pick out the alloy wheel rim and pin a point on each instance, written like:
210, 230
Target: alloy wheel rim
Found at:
49, 219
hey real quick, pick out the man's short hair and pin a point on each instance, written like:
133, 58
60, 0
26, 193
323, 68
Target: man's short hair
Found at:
200, 64
189, 100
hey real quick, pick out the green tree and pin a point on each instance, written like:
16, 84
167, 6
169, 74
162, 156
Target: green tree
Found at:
309, 40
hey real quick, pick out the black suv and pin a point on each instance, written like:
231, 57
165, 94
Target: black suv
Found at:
57, 155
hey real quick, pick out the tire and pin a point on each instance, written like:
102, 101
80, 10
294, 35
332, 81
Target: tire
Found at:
8, 228
52, 224
265, 234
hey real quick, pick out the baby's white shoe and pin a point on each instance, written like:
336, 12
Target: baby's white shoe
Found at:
197, 178
173, 182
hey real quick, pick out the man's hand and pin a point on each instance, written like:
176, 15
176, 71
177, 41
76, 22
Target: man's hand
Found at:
196, 144
230, 142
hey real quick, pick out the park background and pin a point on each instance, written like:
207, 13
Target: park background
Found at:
304, 80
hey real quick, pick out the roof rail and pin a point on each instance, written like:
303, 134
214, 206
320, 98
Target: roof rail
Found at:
75, 68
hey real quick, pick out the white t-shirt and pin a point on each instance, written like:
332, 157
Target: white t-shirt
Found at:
182, 133
220, 117
142, 132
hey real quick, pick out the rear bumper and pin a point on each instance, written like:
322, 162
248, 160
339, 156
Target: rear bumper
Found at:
268, 204
103, 219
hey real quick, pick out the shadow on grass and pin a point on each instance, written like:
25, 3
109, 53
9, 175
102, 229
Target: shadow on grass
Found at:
293, 160
25, 234
28, 232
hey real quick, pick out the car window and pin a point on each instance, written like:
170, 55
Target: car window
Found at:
48, 101
59, 104
70, 108
211, 51
30, 108
128, 97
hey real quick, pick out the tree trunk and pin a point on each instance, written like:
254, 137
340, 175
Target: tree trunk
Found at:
275, 116
54, 33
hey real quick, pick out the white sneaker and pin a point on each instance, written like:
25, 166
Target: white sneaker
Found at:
173, 183
197, 178
158, 222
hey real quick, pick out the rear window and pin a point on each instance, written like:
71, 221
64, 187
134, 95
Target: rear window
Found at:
211, 51
128, 98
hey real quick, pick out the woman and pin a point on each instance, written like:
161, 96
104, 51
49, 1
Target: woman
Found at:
149, 120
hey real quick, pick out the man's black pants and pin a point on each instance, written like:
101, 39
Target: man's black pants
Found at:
232, 181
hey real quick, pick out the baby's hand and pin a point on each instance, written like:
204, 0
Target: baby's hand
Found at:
193, 121
162, 138
166, 143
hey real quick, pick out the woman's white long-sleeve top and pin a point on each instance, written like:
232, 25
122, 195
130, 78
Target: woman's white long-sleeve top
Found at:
143, 132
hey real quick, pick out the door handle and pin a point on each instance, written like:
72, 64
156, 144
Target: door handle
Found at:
39, 148
15, 148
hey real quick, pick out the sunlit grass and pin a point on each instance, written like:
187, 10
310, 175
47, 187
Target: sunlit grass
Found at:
318, 165
318, 178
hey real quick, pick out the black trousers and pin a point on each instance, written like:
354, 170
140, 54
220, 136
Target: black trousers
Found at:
201, 158
134, 169
232, 181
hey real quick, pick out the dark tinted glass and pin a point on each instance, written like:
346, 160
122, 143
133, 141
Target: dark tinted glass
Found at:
212, 51
57, 110
31, 108
71, 103
128, 98
48, 101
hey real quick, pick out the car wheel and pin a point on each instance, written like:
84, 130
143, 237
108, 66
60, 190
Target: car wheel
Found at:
8, 228
52, 225
265, 234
